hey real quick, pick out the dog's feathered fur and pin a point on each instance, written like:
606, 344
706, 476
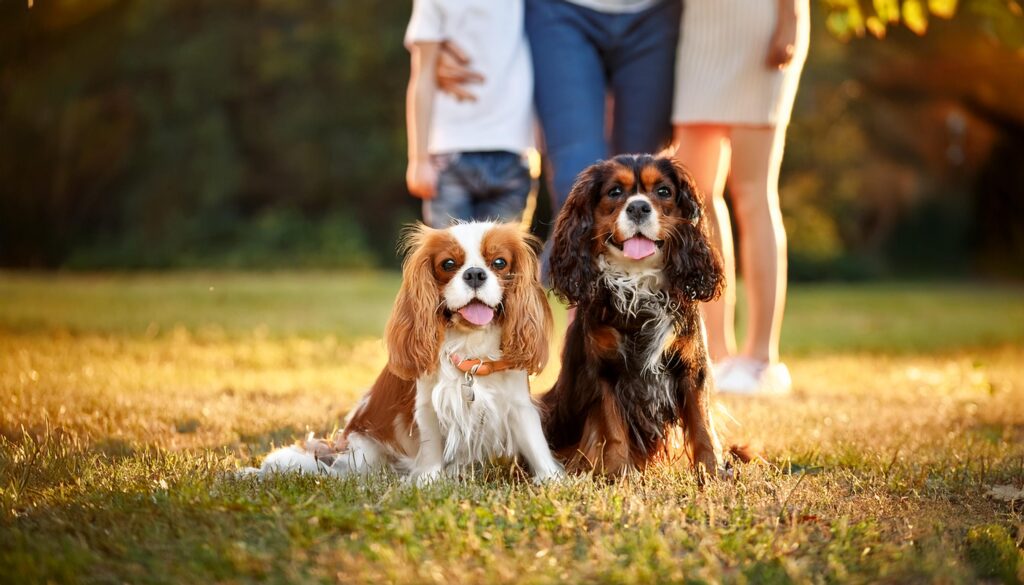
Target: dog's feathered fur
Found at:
418, 417
635, 369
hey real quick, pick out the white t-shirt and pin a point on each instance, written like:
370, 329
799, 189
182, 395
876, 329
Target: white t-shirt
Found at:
491, 33
615, 6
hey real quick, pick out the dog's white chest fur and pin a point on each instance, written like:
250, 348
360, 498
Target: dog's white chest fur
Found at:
640, 294
454, 431
475, 413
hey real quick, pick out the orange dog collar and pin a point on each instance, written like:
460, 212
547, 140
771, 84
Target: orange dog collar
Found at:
479, 367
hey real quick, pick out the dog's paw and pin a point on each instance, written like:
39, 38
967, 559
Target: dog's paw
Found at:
293, 459
426, 476
711, 470
551, 474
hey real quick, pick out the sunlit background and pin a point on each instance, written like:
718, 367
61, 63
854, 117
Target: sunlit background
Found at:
199, 202
269, 134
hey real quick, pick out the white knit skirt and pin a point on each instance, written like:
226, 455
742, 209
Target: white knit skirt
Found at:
721, 71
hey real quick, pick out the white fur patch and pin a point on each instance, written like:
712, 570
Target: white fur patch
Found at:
477, 429
631, 289
293, 459
457, 293
494, 417
454, 426
650, 228
642, 291
362, 456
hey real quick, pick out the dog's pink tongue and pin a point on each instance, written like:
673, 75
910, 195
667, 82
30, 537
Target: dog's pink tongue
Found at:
638, 248
477, 313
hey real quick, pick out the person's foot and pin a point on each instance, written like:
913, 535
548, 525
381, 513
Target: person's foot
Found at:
720, 368
745, 376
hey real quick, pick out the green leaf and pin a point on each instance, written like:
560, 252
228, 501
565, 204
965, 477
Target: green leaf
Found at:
887, 11
915, 16
838, 24
942, 8
857, 19
876, 27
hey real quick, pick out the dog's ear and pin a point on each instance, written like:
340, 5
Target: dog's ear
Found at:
573, 266
524, 337
693, 266
415, 329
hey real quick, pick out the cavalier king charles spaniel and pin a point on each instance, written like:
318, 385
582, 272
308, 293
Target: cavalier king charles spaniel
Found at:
631, 253
470, 324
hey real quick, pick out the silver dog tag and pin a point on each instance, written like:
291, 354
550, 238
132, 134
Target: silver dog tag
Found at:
468, 394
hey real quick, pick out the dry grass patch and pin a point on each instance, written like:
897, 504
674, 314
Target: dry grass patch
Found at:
115, 444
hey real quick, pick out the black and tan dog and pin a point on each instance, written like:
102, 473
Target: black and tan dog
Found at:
631, 253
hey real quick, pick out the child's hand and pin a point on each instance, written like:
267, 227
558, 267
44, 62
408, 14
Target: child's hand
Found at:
421, 178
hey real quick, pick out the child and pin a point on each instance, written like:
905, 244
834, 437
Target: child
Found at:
467, 158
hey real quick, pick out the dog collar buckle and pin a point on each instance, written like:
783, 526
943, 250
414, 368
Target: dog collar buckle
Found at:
468, 394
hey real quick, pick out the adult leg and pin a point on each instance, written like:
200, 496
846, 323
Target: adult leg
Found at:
754, 184
569, 93
704, 151
569, 88
642, 77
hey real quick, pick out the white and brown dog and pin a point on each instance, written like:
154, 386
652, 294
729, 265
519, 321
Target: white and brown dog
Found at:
470, 324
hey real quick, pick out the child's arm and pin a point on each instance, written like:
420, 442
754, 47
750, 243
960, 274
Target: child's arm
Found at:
420, 176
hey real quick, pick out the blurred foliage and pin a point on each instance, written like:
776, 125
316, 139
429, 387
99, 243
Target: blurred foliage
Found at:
855, 18
270, 133
906, 156
159, 133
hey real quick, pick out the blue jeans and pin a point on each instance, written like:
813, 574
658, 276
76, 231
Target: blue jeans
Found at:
579, 55
478, 186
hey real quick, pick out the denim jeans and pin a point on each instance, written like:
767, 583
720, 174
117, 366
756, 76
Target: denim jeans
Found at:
579, 55
478, 186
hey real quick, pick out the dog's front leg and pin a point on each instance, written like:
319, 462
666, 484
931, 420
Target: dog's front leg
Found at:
605, 443
529, 434
705, 449
429, 463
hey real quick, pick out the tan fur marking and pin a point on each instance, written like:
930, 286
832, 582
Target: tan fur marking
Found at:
625, 178
525, 310
416, 327
604, 342
604, 446
390, 397
649, 177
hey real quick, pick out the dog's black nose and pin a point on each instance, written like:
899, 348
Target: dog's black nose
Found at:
474, 277
638, 210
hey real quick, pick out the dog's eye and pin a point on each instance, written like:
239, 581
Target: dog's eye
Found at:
499, 263
448, 265
615, 192
664, 192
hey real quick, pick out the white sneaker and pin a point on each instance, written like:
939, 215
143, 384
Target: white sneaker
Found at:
720, 368
752, 377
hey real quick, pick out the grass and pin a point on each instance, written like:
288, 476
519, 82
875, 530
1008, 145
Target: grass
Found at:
125, 399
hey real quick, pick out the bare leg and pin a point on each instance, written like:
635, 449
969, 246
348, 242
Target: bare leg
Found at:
754, 184
704, 151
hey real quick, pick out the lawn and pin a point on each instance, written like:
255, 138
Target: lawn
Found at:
124, 400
